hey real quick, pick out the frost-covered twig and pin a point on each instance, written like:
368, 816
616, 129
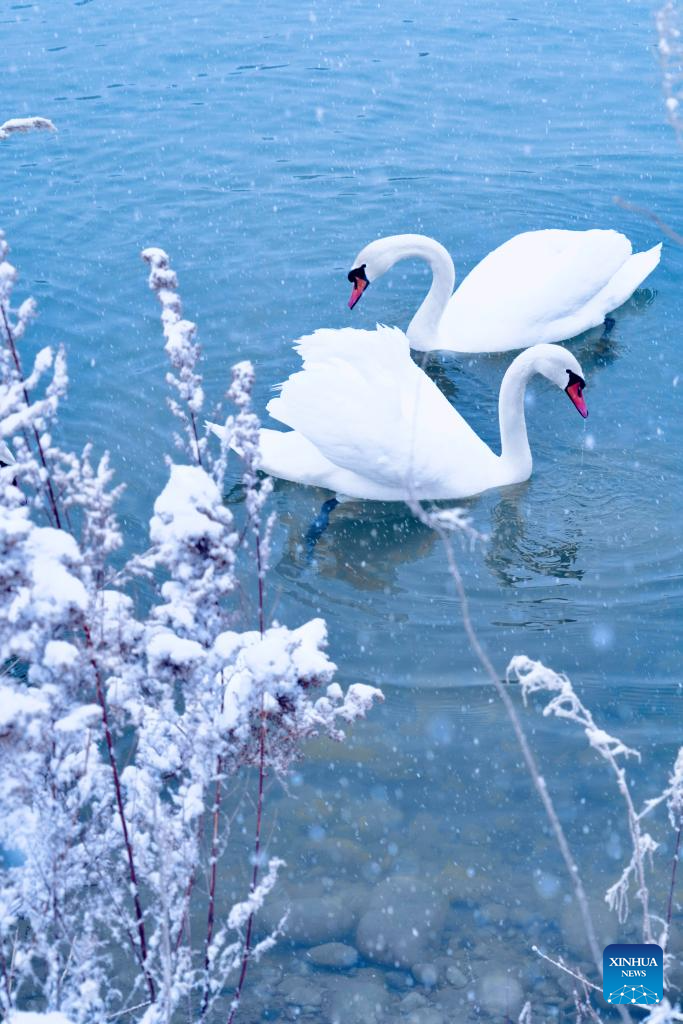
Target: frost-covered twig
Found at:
25, 124
535, 677
561, 966
675, 807
525, 1016
585, 1009
670, 49
113, 762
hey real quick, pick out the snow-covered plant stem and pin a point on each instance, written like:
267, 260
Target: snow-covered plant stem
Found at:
181, 348
535, 677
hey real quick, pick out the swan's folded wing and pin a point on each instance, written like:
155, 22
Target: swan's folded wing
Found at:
535, 278
363, 402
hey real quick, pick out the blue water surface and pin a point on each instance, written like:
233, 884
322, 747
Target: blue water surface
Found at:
262, 145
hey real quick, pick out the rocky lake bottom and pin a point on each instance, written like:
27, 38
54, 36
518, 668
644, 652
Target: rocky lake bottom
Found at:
421, 875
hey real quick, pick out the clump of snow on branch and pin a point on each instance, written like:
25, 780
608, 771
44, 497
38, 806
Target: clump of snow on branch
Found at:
277, 676
241, 912
121, 727
25, 124
181, 348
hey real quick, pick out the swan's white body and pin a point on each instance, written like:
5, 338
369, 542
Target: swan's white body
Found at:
538, 287
368, 423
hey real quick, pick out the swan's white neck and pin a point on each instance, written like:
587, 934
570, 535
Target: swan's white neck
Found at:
423, 329
515, 452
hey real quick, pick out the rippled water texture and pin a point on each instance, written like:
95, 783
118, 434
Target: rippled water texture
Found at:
262, 145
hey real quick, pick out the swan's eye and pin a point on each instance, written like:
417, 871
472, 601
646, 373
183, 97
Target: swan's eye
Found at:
575, 379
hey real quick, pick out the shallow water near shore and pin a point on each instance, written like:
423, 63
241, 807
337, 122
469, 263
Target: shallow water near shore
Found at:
263, 146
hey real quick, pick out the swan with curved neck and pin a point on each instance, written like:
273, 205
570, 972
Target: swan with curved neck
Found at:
367, 422
537, 288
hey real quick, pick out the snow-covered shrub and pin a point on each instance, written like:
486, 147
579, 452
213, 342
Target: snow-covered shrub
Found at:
121, 726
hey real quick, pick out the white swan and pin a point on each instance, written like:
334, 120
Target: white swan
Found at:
540, 286
367, 422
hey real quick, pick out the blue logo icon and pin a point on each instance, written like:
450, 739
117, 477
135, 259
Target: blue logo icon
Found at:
633, 973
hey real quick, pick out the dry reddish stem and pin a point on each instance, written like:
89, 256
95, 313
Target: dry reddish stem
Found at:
261, 620
254, 877
259, 807
122, 817
197, 452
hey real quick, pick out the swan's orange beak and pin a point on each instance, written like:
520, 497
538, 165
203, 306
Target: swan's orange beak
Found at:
359, 280
359, 286
575, 392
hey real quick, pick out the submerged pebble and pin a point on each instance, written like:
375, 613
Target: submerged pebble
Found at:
404, 921
427, 1015
333, 954
500, 993
355, 1000
312, 919
426, 974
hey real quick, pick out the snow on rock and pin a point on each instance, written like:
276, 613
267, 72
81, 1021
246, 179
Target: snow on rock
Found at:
25, 124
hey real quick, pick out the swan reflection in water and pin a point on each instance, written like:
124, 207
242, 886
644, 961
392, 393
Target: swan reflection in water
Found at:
517, 551
367, 543
364, 544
